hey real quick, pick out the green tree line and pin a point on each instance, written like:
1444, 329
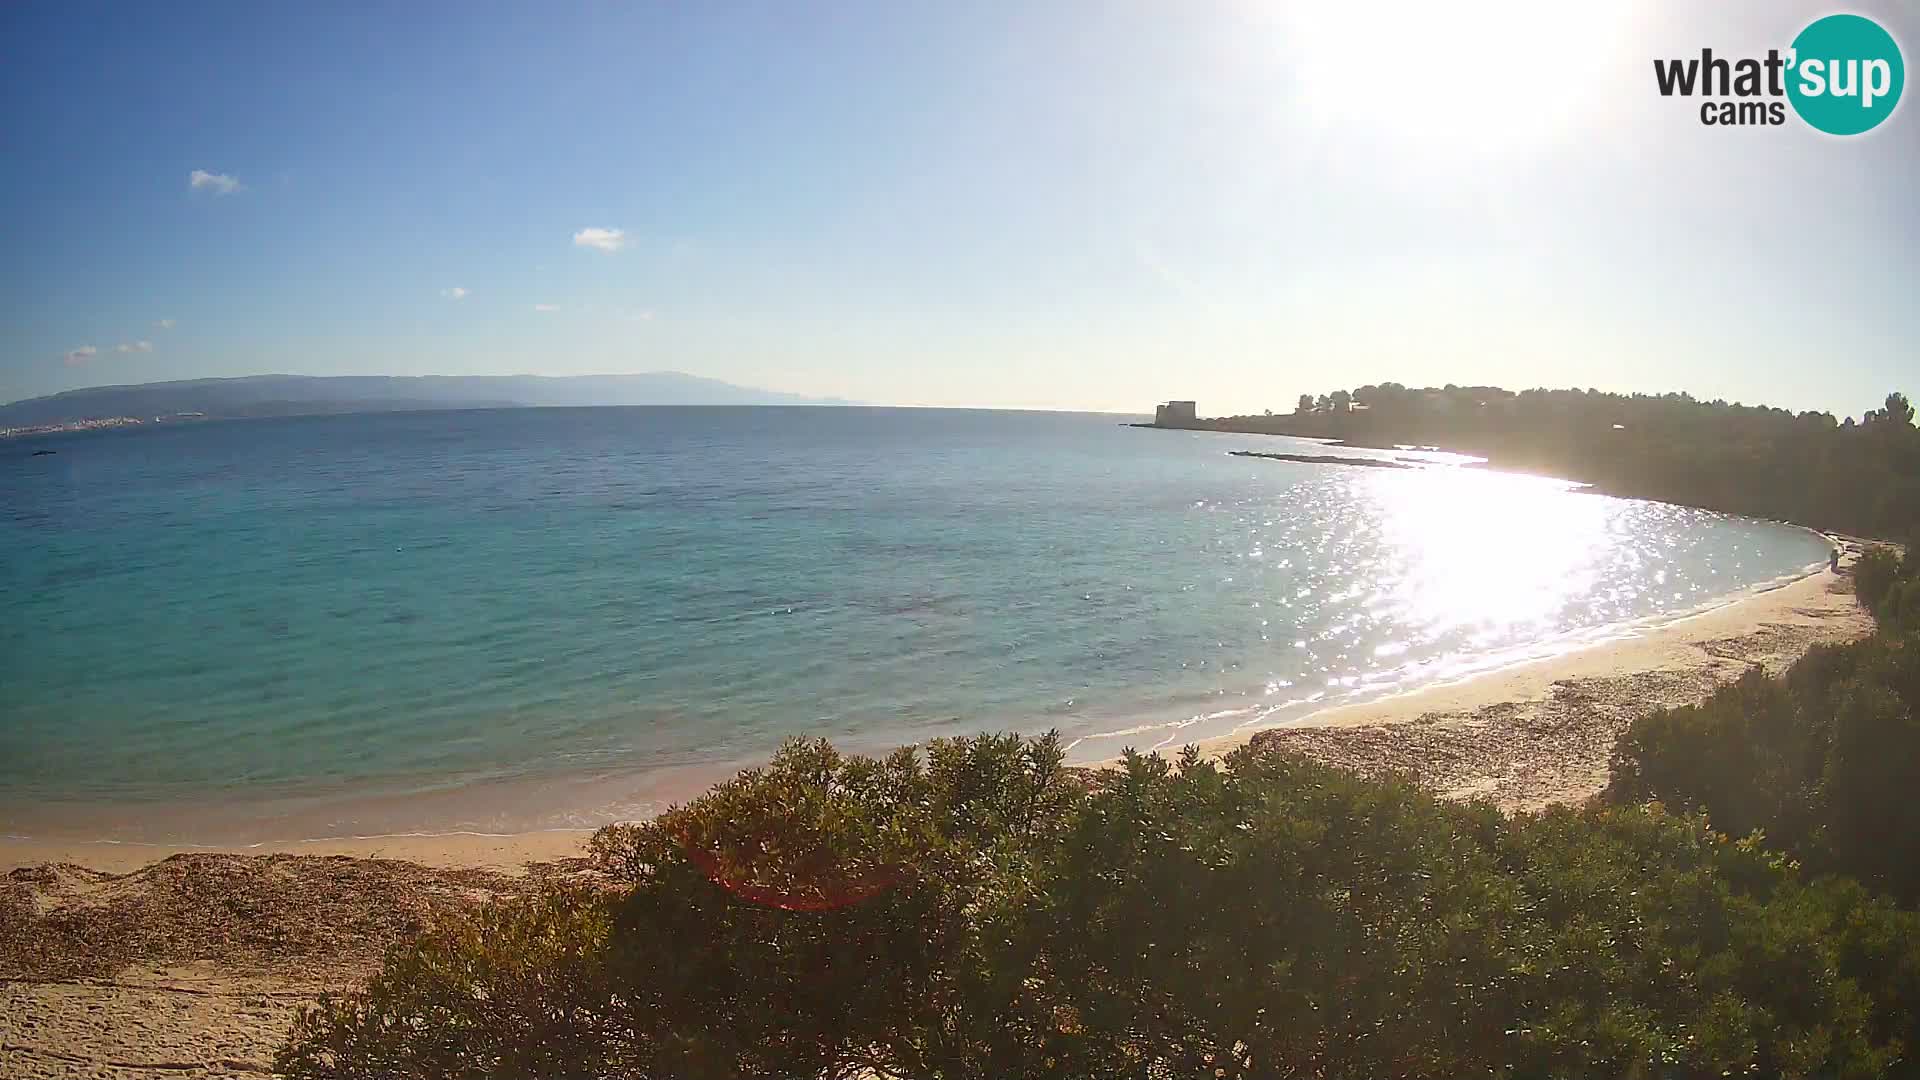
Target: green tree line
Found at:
1809, 467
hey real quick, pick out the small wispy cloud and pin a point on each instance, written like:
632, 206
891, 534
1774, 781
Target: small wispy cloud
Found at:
165, 324
76, 357
455, 293
135, 346
546, 307
218, 183
607, 240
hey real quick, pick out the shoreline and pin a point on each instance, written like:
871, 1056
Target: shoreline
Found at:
207, 956
1542, 731
1524, 734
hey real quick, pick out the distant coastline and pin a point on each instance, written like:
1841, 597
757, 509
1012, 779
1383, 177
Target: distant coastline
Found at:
260, 396
1835, 474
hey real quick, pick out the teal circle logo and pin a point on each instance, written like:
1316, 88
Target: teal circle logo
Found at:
1845, 74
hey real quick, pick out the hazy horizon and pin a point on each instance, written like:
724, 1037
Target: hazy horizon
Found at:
1075, 207
825, 400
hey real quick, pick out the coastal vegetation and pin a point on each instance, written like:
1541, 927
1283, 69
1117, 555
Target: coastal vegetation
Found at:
983, 911
1821, 763
1861, 477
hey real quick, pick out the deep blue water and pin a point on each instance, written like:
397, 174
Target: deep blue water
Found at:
404, 601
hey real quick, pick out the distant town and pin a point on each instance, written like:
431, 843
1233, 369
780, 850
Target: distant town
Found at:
95, 424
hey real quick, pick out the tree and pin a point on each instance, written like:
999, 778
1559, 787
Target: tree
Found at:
1304, 405
1898, 410
1811, 469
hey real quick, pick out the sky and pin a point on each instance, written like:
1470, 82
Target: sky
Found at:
1026, 204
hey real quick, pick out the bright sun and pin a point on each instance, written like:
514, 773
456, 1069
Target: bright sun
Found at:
1490, 78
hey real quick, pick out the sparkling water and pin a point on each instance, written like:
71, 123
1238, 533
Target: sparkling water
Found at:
380, 606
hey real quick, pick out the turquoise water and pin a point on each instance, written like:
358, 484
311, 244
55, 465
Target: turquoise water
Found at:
396, 603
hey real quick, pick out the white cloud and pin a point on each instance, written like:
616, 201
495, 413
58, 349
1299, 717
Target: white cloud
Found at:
607, 240
546, 307
80, 355
138, 346
455, 293
218, 183
165, 324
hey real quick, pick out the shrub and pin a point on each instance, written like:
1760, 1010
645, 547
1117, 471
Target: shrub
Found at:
518, 988
1746, 753
1825, 760
1875, 575
985, 912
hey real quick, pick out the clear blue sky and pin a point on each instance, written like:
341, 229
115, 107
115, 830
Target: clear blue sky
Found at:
1055, 205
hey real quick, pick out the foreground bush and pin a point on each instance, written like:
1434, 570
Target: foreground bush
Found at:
1888, 585
1875, 574
1825, 761
982, 912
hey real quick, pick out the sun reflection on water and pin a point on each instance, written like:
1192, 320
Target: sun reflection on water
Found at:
1489, 554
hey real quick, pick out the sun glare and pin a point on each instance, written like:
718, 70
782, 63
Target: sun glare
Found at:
1487, 552
1494, 78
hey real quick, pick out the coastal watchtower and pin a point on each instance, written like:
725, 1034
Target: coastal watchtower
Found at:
1174, 414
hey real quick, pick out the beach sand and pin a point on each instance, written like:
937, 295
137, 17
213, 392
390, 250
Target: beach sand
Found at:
1542, 732
507, 853
197, 964
113, 964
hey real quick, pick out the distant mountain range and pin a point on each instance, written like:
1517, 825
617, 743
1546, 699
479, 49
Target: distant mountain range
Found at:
299, 395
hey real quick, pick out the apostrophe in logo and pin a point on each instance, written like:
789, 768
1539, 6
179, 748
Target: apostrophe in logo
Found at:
1846, 74
1843, 75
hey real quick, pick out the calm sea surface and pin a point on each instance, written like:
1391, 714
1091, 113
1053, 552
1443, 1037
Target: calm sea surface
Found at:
428, 602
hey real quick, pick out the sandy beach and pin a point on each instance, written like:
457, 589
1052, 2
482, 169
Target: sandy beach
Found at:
1540, 733
125, 960
506, 853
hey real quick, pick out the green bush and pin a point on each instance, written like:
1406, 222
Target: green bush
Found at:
1901, 605
983, 912
1746, 753
1825, 760
1875, 577
519, 988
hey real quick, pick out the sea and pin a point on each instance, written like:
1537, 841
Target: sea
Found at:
501, 620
